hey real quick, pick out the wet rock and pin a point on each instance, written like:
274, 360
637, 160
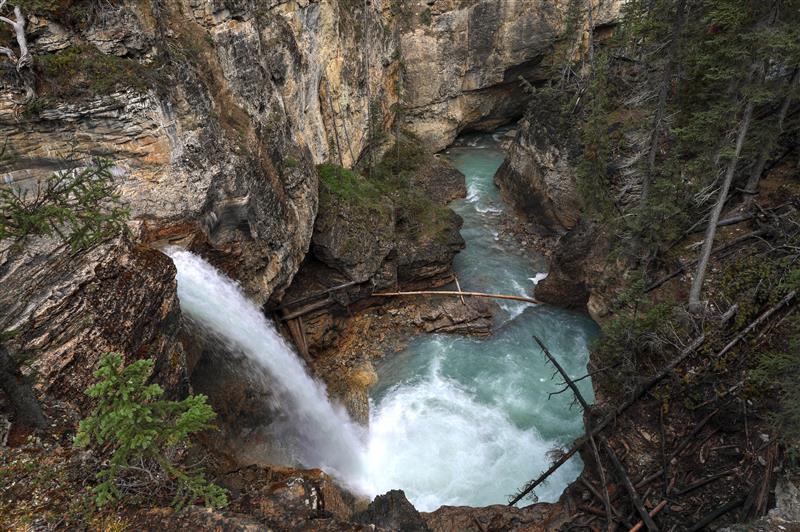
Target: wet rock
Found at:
581, 275
450, 315
535, 518
352, 237
291, 499
440, 181
392, 511
539, 180
425, 248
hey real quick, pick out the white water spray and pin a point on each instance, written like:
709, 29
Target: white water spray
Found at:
316, 432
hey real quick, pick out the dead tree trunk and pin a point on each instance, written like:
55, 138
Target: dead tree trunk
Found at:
663, 92
695, 306
27, 411
587, 410
752, 184
24, 61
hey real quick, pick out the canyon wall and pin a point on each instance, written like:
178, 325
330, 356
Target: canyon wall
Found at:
464, 59
214, 114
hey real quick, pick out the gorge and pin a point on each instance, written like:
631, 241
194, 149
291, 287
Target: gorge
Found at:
221, 190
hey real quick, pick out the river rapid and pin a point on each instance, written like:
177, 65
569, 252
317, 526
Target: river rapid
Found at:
454, 420
465, 421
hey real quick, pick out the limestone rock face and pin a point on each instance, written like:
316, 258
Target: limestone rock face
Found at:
354, 239
464, 59
246, 97
538, 179
66, 310
581, 276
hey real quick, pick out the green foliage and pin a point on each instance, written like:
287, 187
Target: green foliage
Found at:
82, 70
347, 185
82, 207
777, 373
390, 186
756, 282
594, 182
145, 433
635, 340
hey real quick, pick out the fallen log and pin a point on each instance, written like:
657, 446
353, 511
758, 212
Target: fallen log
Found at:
307, 309
728, 221
644, 388
312, 297
524, 299
690, 264
758, 321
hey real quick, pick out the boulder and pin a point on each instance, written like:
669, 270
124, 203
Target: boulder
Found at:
392, 511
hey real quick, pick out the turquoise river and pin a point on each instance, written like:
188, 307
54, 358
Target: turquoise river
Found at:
466, 421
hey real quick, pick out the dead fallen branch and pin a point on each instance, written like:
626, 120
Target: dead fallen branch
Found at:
702, 482
626, 481
660, 506
758, 321
586, 408
716, 514
524, 299
690, 264
643, 388
728, 221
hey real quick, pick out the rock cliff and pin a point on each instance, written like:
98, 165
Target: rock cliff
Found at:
61, 311
213, 112
538, 179
463, 61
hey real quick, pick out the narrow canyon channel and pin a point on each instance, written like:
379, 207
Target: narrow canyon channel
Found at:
466, 421
454, 420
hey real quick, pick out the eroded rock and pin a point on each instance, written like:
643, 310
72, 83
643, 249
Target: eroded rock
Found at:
67, 309
539, 180
392, 511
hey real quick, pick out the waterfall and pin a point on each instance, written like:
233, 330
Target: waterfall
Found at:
316, 432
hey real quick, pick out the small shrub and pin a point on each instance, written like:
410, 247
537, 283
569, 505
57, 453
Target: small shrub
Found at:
79, 71
82, 207
146, 434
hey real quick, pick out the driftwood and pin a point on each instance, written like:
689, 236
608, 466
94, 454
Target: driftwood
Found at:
643, 388
458, 294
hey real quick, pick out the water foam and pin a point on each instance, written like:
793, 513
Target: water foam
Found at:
316, 432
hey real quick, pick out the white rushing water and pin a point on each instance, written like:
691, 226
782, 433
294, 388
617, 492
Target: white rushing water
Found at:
454, 420
466, 421
315, 432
